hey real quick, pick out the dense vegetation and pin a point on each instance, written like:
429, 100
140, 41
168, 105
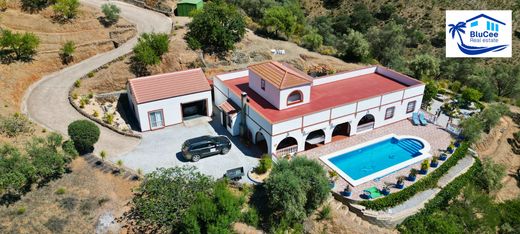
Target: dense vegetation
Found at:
408, 37
216, 28
466, 205
294, 190
42, 160
111, 13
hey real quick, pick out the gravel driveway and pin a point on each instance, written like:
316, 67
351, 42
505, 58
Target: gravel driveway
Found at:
161, 148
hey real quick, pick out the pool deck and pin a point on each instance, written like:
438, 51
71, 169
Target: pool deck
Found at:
438, 138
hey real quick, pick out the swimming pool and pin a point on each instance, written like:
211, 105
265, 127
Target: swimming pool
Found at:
377, 158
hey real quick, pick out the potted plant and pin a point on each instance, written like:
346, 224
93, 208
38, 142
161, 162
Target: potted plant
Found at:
386, 190
457, 143
400, 182
434, 162
347, 191
424, 167
443, 157
333, 175
451, 148
412, 175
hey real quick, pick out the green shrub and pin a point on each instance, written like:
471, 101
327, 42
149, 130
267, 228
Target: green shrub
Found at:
111, 13
312, 41
264, 165
90, 95
491, 175
66, 9
17, 46
108, 118
95, 113
15, 125
21, 210
250, 217
425, 183
67, 52
294, 190
74, 96
325, 213
84, 134
91, 74
69, 148
77, 83
60, 191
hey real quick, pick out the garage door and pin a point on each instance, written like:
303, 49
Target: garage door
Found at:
194, 109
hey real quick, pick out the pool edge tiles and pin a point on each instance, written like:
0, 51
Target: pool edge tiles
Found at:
425, 153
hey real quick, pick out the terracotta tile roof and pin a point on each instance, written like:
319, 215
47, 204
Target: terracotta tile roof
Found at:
229, 107
168, 85
280, 75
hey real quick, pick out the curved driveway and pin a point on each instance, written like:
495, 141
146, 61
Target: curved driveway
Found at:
46, 102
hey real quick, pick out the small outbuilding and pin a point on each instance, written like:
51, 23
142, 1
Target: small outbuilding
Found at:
185, 7
167, 99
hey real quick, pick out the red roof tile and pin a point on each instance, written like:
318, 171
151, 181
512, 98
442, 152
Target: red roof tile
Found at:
168, 85
280, 75
229, 107
323, 97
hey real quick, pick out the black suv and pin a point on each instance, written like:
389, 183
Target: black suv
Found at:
204, 146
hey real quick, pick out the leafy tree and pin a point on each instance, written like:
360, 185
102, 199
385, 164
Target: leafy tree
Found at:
22, 45
323, 26
425, 66
148, 51
354, 47
66, 9
166, 195
361, 18
280, 19
492, 114
471, 95
386, 11
295, 189
17, 170
67, 52
312, 41
254, 8
388, 45
69, 148
430, 91
216, 28
84, 134
212, 213
491, 175
34, 5
46, 158
111, 12
471, 129
506, 79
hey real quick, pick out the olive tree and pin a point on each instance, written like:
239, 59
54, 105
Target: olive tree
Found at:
66, 9
111, 12
216, 28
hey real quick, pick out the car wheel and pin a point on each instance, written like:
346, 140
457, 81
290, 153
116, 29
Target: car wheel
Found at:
195, 158
224, 150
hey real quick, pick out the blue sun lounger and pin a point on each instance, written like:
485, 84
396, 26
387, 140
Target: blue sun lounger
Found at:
415, 119
422, 119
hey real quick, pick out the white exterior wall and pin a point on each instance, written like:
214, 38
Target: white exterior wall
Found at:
271, 93
284, 94
171, 108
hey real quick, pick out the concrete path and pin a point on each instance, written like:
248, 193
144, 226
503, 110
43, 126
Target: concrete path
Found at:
46, 103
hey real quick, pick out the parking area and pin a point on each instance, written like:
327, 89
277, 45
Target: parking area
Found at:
161, 148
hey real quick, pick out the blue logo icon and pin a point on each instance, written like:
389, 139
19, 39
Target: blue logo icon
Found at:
482, 30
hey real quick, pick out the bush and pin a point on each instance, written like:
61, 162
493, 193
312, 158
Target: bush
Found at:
21, 210
60, 191
15, 125
166, 195
108, 118
325, 213
111, 12
280, 19
67, 52
34, 5
264, 165
148, 51
354, 47
294, 190
491, 175
425, 183
251, 217
312, 41
91, 74
84, 134
69, 148
471, 129
66, 9
216, 28
77, 83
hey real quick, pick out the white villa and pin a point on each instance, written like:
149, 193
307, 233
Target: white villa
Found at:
287, 111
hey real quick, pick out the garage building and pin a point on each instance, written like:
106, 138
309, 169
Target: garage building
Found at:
167, 99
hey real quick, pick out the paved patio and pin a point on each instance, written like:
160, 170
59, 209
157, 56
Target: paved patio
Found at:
438, 138
161, 148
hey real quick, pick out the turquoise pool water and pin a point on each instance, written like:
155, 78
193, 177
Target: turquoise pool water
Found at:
376, 157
